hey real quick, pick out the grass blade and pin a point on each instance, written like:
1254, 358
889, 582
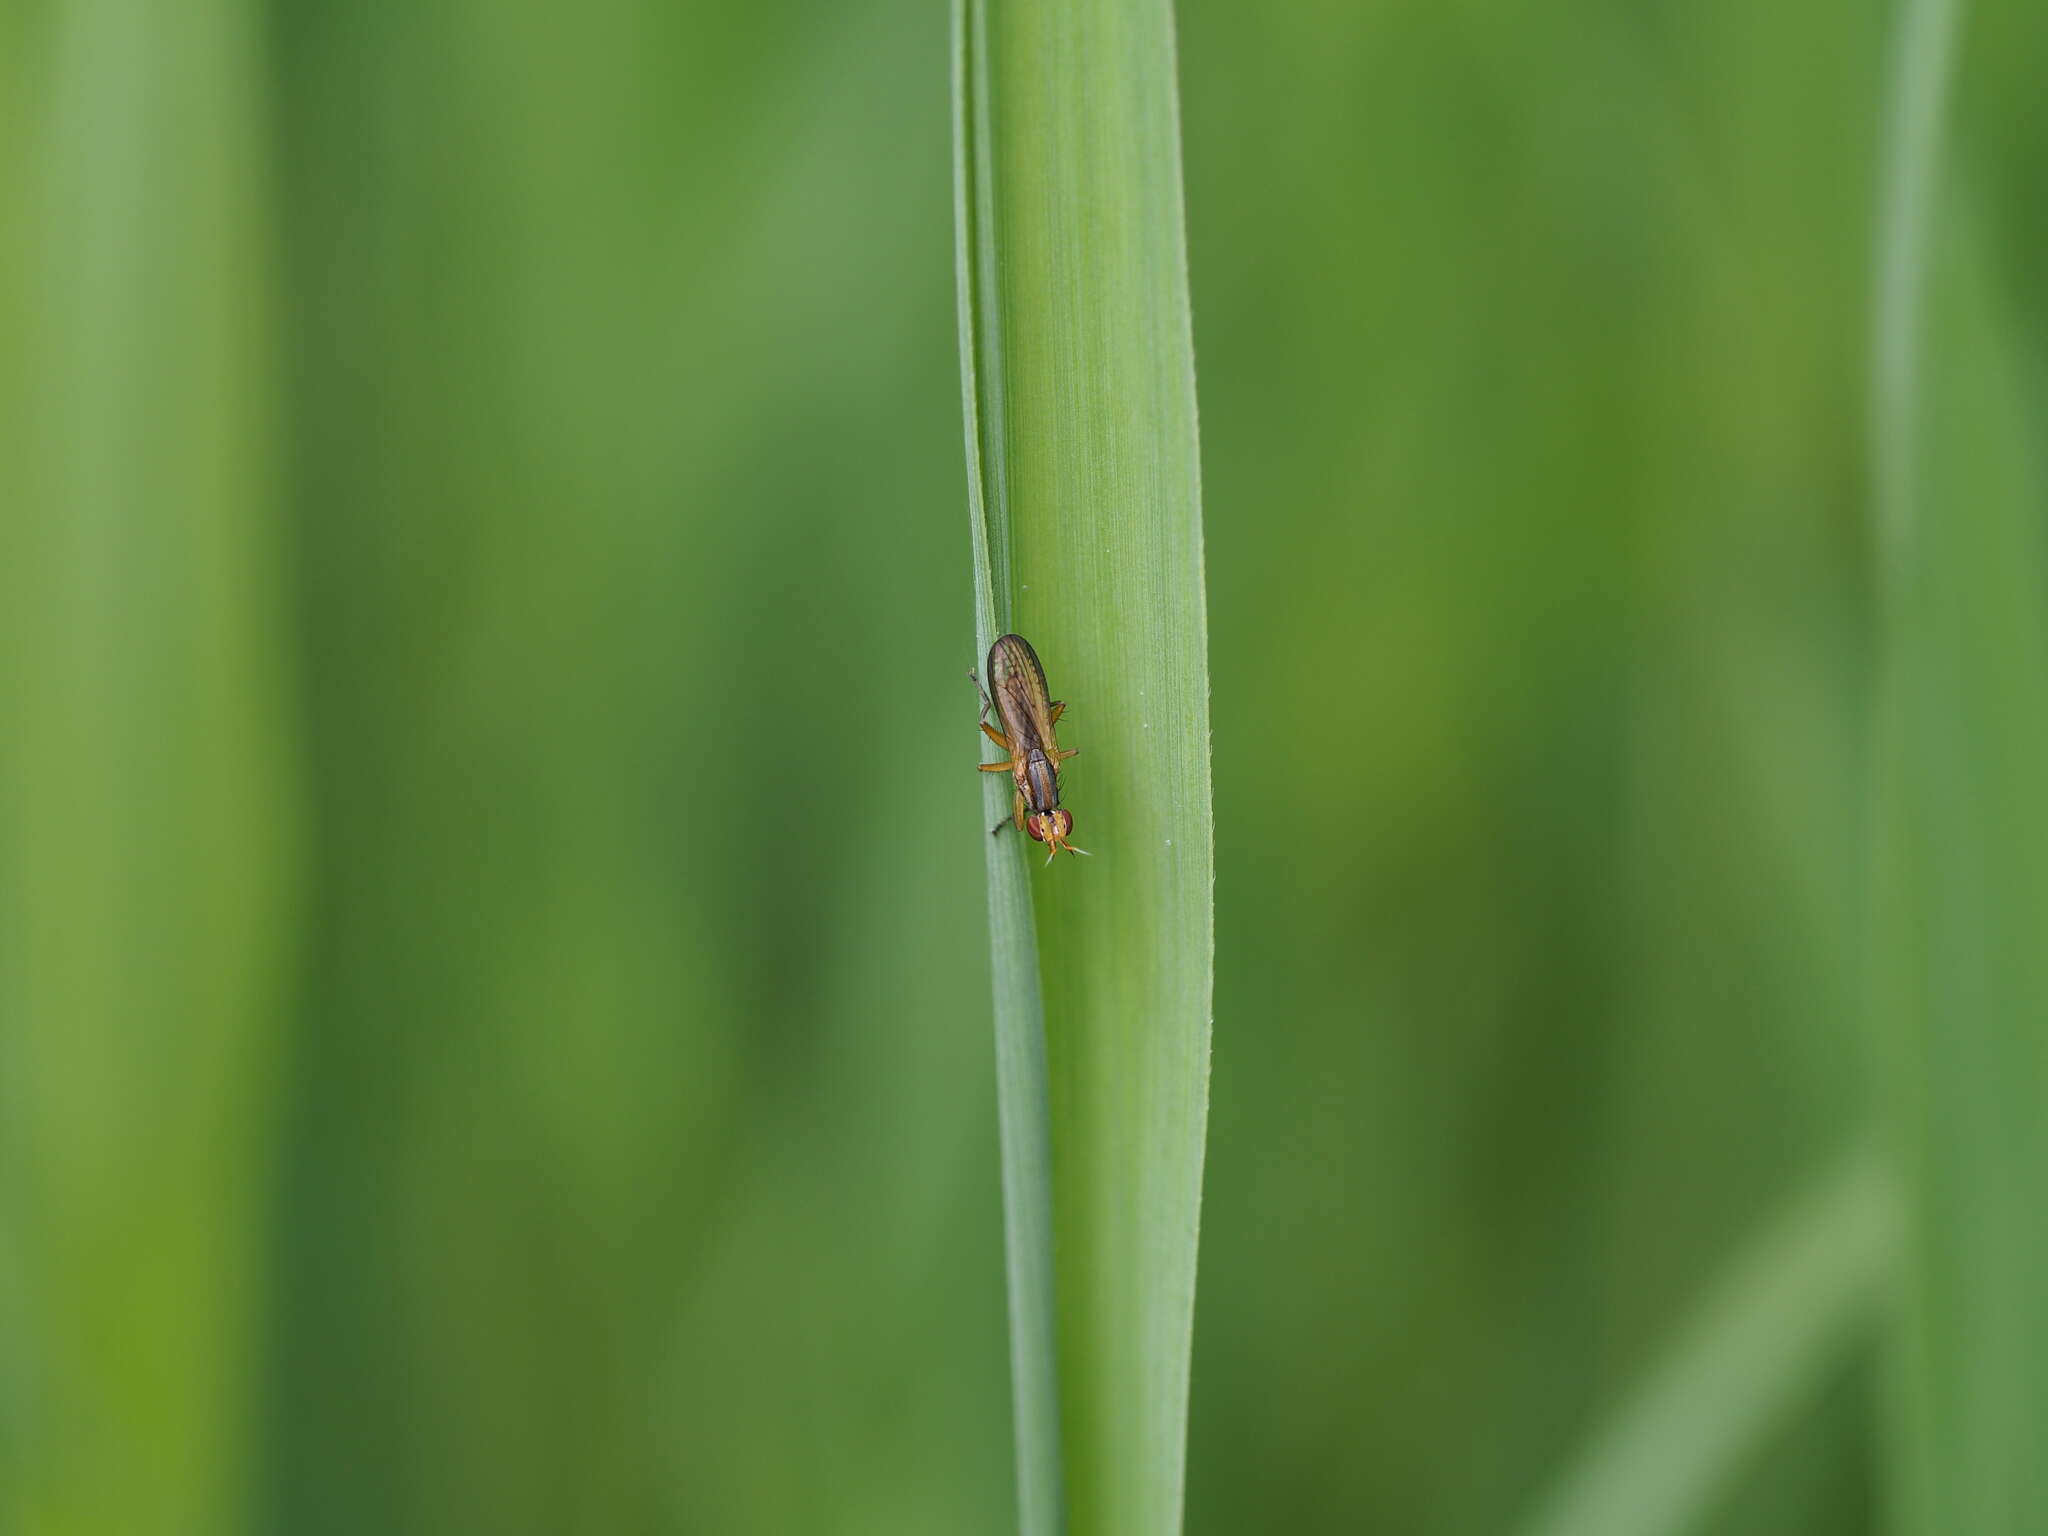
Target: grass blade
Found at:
1757, 1347
1022, 1105
1082, 430
1960, 845
1920, 65
145, 800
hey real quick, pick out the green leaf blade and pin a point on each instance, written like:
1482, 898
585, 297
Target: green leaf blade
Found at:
1084, 432
1024, 1130
1959, 849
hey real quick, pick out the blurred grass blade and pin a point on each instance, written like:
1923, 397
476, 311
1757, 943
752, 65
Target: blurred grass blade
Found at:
1960, 839
143, 782
1759, 1346
1022, 1106
1082, 429
1922, 43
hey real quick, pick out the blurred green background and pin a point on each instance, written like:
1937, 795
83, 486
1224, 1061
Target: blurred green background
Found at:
493, 1000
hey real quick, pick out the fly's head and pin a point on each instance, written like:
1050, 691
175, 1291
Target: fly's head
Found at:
1052, 828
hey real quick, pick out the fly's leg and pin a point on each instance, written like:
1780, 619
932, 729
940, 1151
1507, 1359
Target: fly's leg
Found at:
1016, 813
1059, 707
988, 730
1002, 741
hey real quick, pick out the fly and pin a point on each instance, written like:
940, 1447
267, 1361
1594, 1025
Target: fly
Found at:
1028, 714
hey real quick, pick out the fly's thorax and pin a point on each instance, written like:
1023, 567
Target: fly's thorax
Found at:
1039, 781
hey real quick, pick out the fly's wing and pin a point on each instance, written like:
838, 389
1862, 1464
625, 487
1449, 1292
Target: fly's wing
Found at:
1017, 683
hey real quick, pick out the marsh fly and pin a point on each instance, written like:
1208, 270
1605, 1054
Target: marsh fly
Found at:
1028, 714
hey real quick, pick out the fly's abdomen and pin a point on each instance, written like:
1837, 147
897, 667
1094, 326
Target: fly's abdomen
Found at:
1041, 783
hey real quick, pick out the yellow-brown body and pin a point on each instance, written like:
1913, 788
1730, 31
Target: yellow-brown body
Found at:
1018, 694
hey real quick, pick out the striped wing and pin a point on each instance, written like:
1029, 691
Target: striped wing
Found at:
1017, 683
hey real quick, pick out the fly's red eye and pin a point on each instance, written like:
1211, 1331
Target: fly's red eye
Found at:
1035, 825
1062, 823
